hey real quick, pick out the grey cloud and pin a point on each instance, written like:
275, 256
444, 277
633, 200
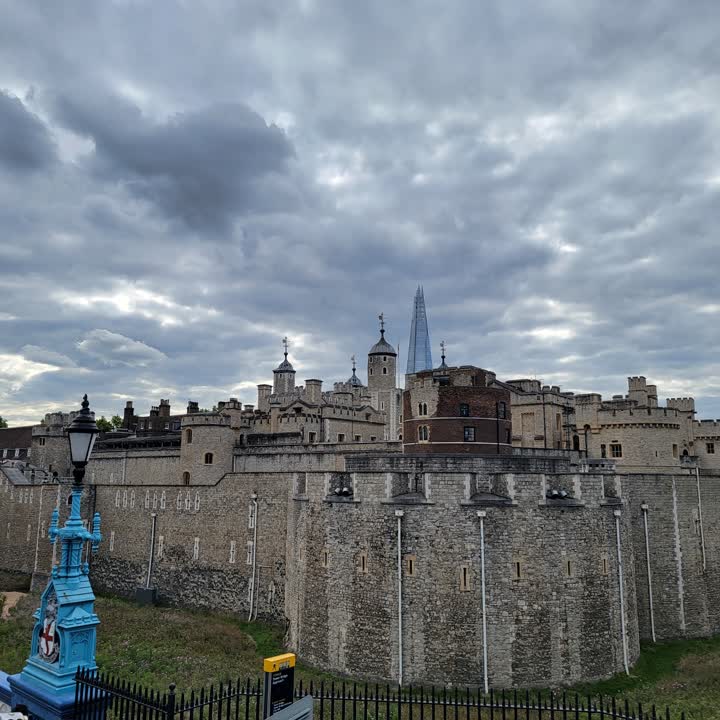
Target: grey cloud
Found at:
114, 349
504, 155
25, 142
202, 167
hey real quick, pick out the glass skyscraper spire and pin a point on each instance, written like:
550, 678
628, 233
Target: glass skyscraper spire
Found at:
419, 354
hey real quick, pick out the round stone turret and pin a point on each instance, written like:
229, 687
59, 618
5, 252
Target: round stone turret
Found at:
382, 362
284, 375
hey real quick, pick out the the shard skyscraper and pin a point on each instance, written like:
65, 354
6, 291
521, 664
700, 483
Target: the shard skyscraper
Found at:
419, 354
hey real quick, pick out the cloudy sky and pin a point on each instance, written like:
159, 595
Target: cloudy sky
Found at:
182, 184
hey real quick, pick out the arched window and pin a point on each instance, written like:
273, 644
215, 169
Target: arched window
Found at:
188, 436
186, 478
576, 442
208, 458
423, 433
384, 371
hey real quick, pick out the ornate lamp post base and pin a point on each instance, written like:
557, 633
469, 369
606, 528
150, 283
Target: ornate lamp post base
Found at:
65, 623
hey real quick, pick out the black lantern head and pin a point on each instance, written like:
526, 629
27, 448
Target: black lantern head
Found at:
82, 433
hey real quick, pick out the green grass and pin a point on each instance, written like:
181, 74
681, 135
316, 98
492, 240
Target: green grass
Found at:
154, 646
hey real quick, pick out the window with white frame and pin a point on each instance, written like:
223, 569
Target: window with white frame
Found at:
112, 540
249, 552
232, 552
251, 516
196, 548
161, 547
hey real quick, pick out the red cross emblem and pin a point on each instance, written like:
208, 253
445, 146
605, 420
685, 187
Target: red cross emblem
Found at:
49, 649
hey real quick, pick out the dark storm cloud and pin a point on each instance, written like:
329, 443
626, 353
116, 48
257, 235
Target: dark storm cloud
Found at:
224, 175
25, 142
203, 167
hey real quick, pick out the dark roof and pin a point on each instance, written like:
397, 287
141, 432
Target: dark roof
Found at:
382, 347
284, 366
16, 437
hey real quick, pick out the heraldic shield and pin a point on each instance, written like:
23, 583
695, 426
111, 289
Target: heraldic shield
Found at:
49, 638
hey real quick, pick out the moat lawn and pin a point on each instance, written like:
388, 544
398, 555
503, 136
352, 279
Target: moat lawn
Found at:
156, 645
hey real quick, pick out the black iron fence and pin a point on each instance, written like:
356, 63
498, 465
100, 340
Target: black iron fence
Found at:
100, 697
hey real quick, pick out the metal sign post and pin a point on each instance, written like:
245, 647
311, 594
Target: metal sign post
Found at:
279, 683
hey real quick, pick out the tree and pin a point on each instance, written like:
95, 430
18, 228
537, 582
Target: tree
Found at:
117, 421
104, 425
3, 423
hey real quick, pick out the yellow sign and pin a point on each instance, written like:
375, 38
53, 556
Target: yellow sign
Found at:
279, 662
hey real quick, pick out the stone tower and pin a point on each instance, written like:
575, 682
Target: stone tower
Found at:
419, 354
384, 394
284, 375
382, 363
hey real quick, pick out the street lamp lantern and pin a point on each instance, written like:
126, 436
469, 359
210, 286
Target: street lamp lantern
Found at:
82, 433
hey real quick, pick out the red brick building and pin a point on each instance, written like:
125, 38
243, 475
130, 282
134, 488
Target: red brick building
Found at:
454, 411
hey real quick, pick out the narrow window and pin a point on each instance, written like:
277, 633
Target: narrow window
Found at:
154, 501
185, 479
251, 516
117, 499
358, 438
42, 529
208, 458
197, 501
161, 547
502, 410
249, 553
603, 451
384, 358
675, 450
616, 450
188, 436
469, 434
112, 540
569, 568
517, 569
124, 498
370, 371
41, 441
464, 578
132, 498
312, 437
604, 565
29, 530
464, 410
341, 437
232, 552
162, 500
382, 405
147, 499
410, 563
196, 548
325, 558
363, 562
710, 447
178, 502
384, 371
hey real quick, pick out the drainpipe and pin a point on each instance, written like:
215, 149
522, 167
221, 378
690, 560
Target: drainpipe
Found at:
152, 549
482, 515
617, 514
700, 518
253, 497
54, 542
544, 422
399, 516
37, 535
644, 508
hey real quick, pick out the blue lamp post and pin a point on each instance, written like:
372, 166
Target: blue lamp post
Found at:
64, 634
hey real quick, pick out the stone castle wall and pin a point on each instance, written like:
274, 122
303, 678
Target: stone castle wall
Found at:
327, 565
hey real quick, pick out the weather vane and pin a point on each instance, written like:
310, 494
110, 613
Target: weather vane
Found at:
353, 362
285, 345
381, 318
